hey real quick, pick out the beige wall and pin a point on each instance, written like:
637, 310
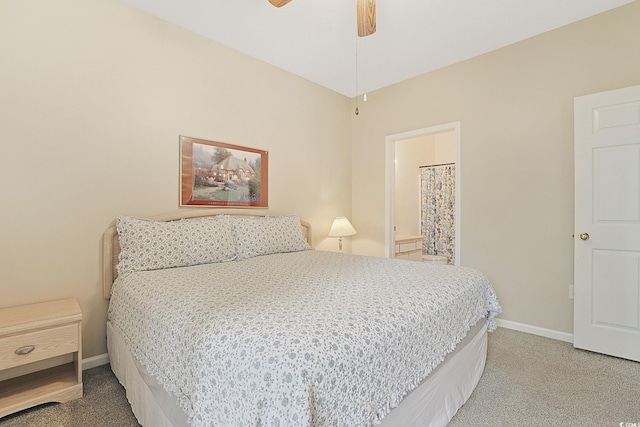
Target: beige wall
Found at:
93, 97
410, 155
445, 148
515, 106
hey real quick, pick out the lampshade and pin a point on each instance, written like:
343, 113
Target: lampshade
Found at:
341, 227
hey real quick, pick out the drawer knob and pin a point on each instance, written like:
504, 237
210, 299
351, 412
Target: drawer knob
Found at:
25, 350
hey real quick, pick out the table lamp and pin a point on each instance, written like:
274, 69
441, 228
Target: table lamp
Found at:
340, 228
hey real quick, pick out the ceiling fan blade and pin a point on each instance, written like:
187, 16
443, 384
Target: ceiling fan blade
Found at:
279, 3
366, 17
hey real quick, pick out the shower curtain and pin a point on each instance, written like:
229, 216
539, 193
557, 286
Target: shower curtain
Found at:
438, 210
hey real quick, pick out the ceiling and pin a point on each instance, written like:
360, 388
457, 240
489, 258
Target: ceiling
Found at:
317, 39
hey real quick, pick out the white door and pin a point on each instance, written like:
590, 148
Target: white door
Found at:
607, 223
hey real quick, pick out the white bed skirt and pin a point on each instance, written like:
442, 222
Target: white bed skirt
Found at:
432, 404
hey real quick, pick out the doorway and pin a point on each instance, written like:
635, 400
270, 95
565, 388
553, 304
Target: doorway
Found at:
405, 218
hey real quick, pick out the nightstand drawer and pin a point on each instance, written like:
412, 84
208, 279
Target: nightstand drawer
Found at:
46, 343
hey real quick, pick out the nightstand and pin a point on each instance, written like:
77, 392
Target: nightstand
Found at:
33, 334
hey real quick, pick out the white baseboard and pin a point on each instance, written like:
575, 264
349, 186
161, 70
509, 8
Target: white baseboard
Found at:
535, 330
95, 361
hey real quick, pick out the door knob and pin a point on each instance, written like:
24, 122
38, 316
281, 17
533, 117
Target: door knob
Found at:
584, 236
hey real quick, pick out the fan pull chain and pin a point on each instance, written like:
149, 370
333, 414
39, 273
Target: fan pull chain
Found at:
357, 111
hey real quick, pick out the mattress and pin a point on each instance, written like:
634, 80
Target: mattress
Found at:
307, 338
432, 404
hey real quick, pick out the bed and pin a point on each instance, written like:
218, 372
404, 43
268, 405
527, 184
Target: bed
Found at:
233, 319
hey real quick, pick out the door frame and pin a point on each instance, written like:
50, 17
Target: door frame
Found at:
390, 182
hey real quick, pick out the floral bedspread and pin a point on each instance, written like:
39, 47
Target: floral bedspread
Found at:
309, 338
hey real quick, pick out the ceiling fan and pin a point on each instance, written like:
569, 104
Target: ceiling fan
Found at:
366, 15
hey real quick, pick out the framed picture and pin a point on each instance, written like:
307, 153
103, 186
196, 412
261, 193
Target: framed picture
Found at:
218, 174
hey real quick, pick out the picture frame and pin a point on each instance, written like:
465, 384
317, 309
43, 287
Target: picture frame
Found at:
218, 174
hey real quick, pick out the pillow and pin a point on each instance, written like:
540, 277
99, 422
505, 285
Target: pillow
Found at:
268, 235
152, 245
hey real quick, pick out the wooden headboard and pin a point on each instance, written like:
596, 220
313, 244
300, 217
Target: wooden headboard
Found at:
111, 242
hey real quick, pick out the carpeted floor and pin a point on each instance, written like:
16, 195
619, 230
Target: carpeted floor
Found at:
535, 381
528, 381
